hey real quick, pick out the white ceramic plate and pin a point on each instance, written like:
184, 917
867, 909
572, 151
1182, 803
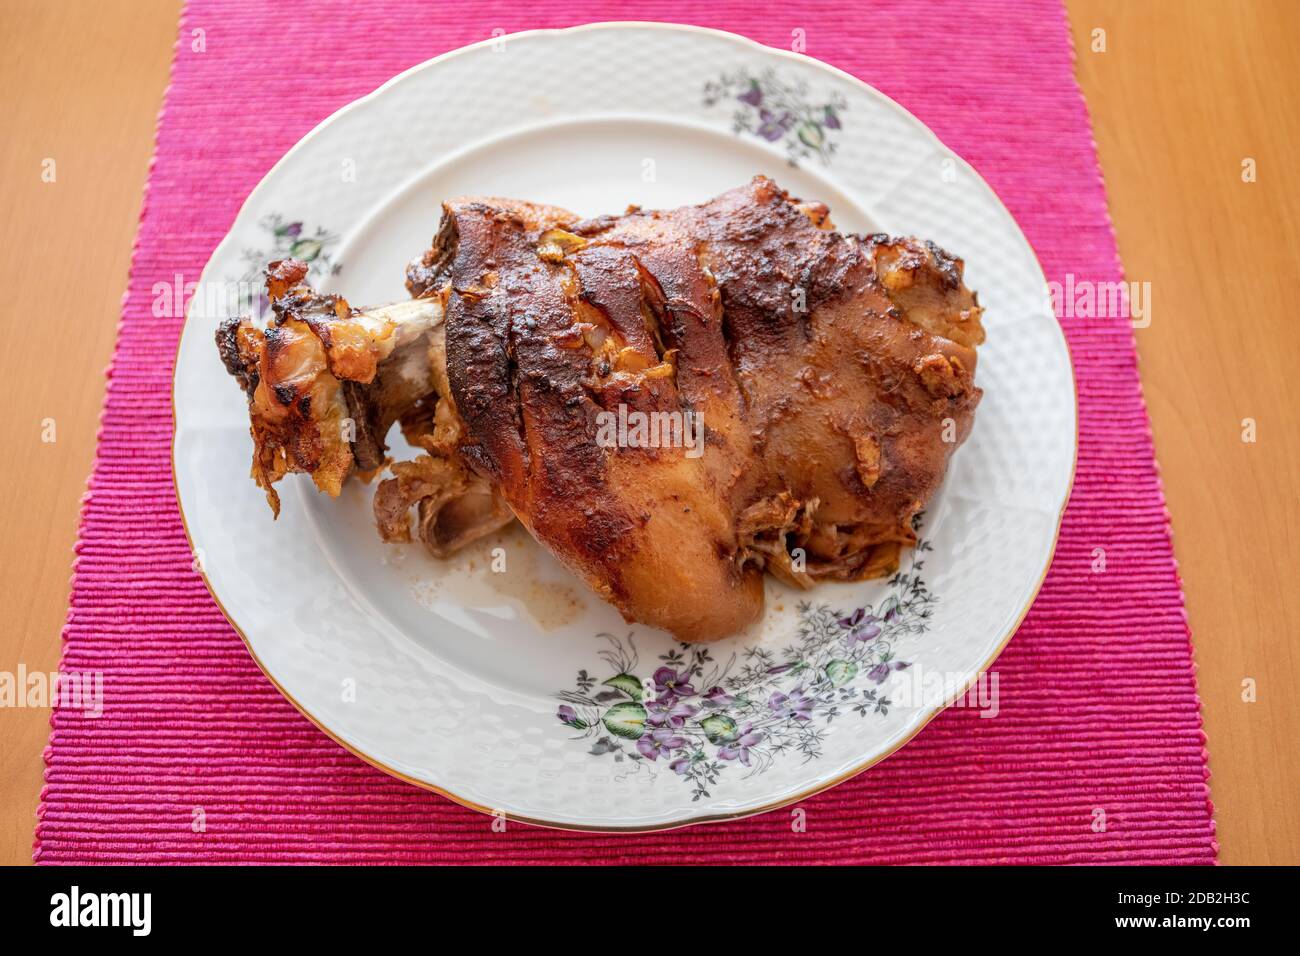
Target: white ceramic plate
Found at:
518, 692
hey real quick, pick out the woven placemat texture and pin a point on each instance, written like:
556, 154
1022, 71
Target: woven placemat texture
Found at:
1098, 706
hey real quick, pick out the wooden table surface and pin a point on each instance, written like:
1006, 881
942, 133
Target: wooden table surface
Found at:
1184, 93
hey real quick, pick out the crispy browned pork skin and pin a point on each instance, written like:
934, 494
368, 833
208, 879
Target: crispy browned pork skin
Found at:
831, 377
326, 382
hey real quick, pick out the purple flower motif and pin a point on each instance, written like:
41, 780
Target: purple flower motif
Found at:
681, 765
832, 121
662, 741
738, 748
890, 609
669, 711
717, 697
796, 704
570, 717
773, 126
293, 230
753, 96
780, 668
881, 670
861, 626
669, 682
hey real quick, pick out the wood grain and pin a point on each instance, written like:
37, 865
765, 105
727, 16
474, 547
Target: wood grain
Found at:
1183, 94
82, 86
1185, 90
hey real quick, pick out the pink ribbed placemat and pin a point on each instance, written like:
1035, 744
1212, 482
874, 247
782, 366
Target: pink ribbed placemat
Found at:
1099, 710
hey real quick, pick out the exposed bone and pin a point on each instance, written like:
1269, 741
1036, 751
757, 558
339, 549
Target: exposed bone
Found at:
833, 374
325, 382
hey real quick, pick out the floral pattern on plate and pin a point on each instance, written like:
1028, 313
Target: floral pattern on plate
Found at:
290, 239
780, 111
701, 718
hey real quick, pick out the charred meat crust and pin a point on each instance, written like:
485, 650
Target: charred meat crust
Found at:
825, 367
818, 383
325, 382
